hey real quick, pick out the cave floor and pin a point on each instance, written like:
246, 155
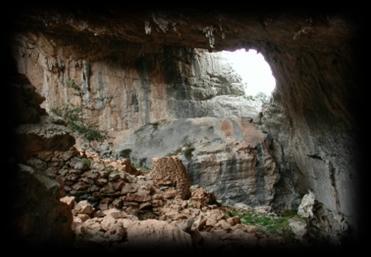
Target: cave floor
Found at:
113, 204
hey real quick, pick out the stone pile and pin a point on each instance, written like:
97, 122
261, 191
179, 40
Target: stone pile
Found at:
103, 182
179, 223
115, 204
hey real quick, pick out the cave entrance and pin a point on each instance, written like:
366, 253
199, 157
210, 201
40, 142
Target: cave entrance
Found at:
254, 71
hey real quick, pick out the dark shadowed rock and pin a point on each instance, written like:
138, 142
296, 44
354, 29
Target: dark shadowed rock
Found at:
40, 218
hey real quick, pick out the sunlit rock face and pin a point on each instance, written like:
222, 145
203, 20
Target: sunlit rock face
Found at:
134, 70
174, 83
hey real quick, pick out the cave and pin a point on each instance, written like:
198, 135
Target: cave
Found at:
138, 128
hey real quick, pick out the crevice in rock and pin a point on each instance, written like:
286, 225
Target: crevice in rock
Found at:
315, 156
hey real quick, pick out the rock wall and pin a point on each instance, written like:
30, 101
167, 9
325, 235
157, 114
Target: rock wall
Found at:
171, 83
318, 150
229, 157
38, 218
128, 99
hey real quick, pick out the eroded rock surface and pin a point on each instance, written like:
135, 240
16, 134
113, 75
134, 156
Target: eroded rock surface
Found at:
229, 157
39, 218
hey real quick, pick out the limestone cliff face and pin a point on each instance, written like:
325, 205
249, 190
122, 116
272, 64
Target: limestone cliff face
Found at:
173, 83
134, 70
318, 145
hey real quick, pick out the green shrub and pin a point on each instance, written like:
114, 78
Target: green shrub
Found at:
266, 222
104, 99
86, 162
187, 151
74, 120
72, 84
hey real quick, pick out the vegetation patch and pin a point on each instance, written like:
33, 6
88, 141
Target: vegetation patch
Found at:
260, 97
74, 120
104, 99
86, 162
266, 222
72, 84
187, 151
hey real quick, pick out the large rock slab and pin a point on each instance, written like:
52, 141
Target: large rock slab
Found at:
39, 217
44, 136
155, 233
227, 156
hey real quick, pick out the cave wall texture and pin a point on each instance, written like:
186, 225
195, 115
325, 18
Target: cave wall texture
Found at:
141, 67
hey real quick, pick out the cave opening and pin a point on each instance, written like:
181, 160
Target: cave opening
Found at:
254, 70
242, 76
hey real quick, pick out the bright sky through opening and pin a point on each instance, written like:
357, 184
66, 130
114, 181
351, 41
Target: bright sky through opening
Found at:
254, 70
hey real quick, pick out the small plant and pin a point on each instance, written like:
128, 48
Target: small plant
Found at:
260, 97
72, 84
249, 97
86, 163
74, 120
289, 213
104, 99
187, 151
266, 222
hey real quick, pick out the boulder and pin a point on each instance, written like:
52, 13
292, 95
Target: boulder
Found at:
40, 218
305, 208
155, 233
129, 168
101, 181
243, 206
82, 164
298, 227
129, 188
83, 207
199, 223
69, 200
37, 164
104, 203
140, 196
83, 217
201, 198
41, 137
233, 221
